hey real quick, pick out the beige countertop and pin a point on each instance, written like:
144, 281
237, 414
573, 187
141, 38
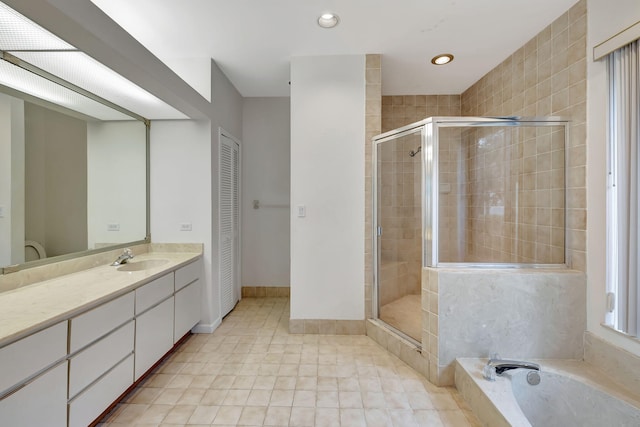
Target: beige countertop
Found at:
29, 309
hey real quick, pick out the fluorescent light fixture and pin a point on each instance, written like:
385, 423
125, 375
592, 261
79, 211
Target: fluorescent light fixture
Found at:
328, 20
442, 59
81, 70
22, 38
31, 84
18, 32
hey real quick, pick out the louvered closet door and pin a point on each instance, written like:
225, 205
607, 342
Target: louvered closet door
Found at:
229, 223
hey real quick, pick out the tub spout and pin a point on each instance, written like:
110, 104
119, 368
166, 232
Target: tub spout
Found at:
499, 366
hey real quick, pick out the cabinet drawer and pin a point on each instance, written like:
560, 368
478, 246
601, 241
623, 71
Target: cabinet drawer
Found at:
93, 324
92, 402
28, 356
154, 336
42, 402
188, 274
187, 309
153, 292
88, 365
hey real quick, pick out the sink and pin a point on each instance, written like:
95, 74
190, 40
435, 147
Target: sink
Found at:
142, 265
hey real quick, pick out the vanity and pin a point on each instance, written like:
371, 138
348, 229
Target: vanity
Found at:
72, 345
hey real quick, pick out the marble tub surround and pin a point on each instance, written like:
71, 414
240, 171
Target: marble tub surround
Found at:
494, 403
517, 313
615, 362
41, 273
28, 309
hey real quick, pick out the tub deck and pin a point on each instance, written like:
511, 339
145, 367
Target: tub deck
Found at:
494, 404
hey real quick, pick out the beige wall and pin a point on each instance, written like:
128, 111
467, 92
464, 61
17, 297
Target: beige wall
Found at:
546, 77
373, 123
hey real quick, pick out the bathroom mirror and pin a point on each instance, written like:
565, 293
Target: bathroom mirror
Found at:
70, 182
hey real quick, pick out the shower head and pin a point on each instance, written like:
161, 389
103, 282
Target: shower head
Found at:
413, 153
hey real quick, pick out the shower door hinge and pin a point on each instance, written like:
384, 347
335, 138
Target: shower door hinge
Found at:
379, 231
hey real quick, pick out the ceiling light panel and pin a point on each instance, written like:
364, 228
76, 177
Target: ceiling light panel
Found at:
34, 85
87, 73
20, 33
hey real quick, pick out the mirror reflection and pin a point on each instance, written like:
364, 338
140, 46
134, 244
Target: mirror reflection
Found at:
68, 182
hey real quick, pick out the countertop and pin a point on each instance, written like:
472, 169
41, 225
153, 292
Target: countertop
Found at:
29, 309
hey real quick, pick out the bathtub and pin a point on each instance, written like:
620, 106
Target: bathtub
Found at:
569, 394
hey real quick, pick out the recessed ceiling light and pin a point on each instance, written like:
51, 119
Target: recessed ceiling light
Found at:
442, 59
328, 20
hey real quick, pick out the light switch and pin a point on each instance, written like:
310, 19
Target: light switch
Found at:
113, 227
185, 226
302, 211
1, 211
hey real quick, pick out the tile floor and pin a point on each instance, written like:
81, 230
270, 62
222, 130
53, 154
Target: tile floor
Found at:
252, 372
405, 314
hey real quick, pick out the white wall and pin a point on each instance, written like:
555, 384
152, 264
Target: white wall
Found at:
184, 183
604, 21
11, 180
181, 193
227, 114
116, 182
266, 148
327, 176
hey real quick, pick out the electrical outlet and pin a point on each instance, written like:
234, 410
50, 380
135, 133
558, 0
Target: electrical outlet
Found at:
113, 227
185, 226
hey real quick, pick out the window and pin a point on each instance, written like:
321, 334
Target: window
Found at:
623, 201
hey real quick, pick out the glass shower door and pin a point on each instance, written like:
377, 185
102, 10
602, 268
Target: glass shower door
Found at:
399, 241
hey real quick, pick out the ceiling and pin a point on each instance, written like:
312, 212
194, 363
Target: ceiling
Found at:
252, 41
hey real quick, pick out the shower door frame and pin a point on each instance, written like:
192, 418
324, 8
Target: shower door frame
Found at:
376, 231
430, 194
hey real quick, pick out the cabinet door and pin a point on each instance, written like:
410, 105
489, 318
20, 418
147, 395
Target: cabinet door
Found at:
187, 309
23, 359
91, 363
89, 404
90, 326
42, 402
154, 336
153, 292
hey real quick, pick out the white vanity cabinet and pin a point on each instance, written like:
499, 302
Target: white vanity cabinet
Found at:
188, 287
69, 373
33, 379
154, 322
101, 358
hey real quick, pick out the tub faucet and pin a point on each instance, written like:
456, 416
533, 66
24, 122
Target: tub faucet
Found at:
498, 366
124, 257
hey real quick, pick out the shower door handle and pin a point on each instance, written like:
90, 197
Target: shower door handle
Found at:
379, 231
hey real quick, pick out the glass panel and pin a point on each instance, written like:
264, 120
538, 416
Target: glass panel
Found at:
502, 194
400, 244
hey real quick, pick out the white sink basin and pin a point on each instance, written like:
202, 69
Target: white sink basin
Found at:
142, 265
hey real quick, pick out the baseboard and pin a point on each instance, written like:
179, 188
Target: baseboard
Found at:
206, 328
265, 291
327, 327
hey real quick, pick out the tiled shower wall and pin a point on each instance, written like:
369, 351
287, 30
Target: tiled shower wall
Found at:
399, 201
373, 105
546, 77
400, 192
513, 194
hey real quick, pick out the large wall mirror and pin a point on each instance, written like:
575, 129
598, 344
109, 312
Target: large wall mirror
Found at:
73, 166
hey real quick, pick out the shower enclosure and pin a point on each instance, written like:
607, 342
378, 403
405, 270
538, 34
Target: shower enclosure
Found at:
463, 192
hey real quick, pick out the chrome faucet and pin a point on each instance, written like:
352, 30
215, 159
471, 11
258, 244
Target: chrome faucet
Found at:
496, 366
124, 257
